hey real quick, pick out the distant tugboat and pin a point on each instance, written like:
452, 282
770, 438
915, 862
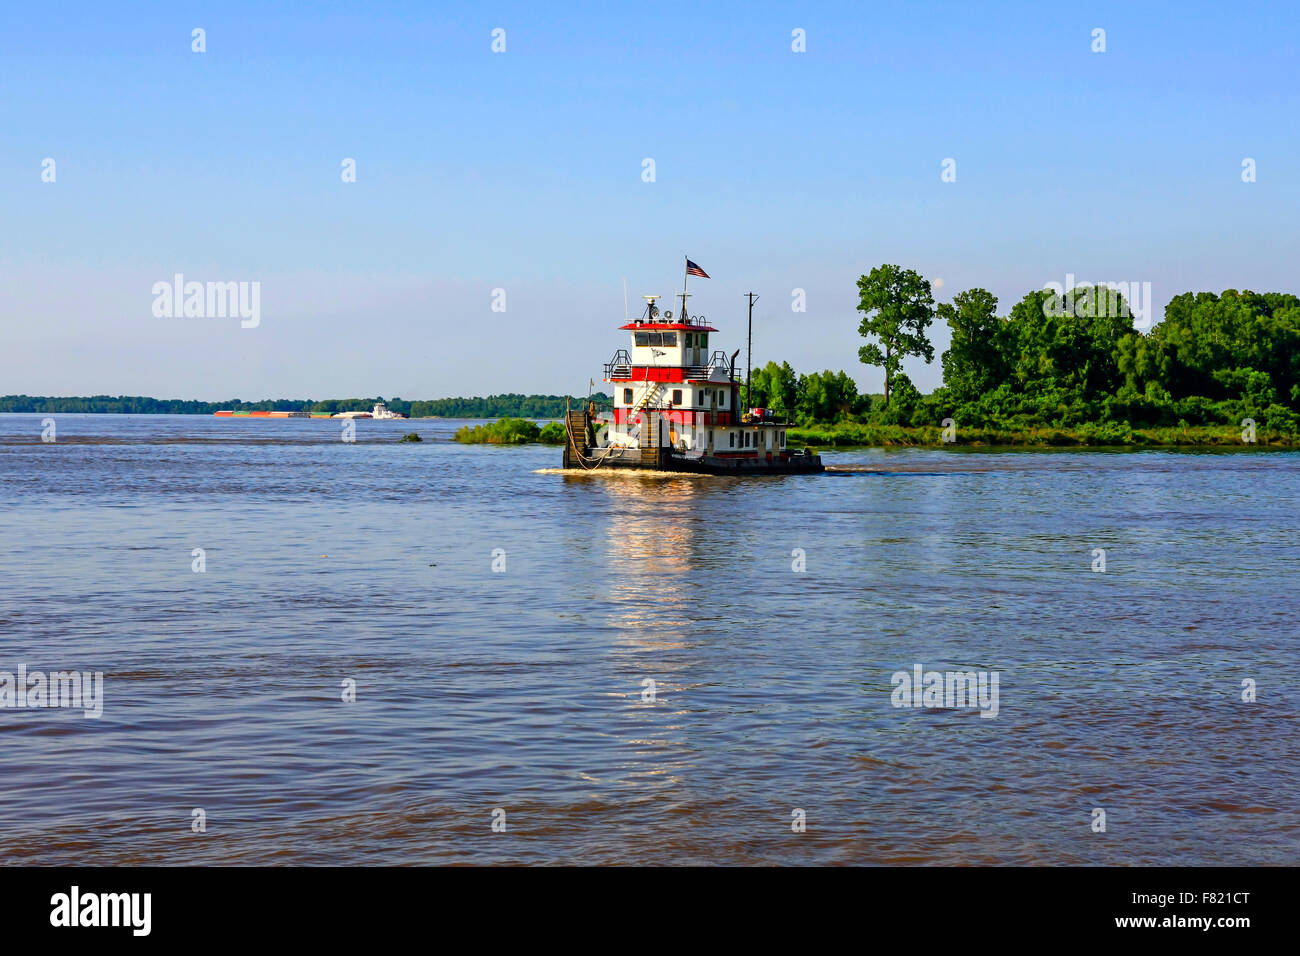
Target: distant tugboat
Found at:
677, 407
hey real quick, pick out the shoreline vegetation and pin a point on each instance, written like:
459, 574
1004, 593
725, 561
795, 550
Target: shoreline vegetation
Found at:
1065, 368
511, 431
856, 435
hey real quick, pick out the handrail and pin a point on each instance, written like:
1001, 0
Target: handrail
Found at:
620, 366
660, 319
621, 360
624, 371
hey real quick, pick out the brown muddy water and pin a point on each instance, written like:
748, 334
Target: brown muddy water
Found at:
524, 688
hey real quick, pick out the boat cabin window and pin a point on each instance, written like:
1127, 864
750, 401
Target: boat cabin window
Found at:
732, 436
627, 396
782, 439
722, 399
656, 339
677, 396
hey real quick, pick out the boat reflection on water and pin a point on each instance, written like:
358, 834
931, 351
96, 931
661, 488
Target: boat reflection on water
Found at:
651, 535
670, 551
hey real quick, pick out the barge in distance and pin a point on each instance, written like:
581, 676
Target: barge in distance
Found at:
677, 407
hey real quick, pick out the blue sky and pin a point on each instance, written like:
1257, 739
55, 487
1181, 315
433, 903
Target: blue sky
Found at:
522, 170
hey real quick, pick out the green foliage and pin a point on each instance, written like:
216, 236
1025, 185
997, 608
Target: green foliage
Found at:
974, 363
1076, 363
553, 433
505, 431
1069, 369
411, 437
897, 308
141, 405
1103, 434
826, 397
501, 406
906, 405
776, 387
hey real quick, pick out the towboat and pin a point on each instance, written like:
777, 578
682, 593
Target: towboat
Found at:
677, 406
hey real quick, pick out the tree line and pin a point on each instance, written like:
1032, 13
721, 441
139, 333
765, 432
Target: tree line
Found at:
493, 406
1059, 360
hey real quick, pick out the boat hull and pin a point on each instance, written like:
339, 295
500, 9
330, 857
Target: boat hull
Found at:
667, 459
796, 465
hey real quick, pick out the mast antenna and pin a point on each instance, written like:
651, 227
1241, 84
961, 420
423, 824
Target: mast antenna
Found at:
749, 355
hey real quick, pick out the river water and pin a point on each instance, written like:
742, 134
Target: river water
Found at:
502, 625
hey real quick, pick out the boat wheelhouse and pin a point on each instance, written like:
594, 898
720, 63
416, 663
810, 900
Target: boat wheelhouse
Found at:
678, 406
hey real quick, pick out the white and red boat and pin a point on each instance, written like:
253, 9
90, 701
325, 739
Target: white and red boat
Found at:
677, 406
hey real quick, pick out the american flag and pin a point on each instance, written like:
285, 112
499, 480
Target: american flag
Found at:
693, 270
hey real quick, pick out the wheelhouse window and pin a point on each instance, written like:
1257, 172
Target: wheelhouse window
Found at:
656, 339
677, 396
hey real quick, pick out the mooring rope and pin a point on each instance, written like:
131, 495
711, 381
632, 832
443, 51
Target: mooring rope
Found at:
582, 459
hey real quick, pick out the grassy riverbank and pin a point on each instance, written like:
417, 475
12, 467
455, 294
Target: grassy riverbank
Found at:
517, 431
1108, 434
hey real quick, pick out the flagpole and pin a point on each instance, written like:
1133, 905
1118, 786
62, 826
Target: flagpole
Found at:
686, 271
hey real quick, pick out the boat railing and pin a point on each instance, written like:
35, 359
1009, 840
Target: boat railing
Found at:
771, 418
620, 366
698, 371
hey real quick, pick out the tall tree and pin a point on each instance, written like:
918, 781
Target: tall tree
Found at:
897, 308
974, 364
